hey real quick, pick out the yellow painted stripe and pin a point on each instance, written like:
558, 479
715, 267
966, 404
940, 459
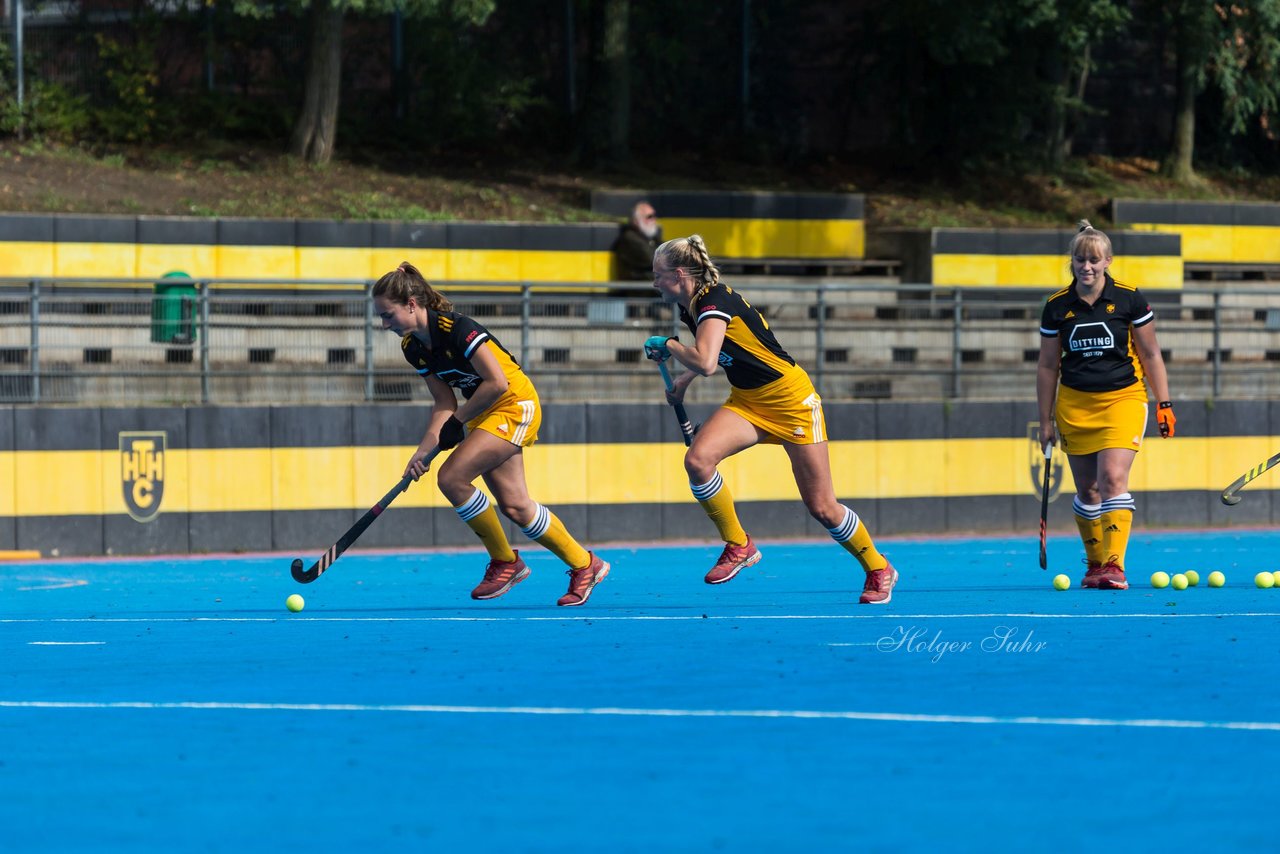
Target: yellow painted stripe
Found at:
1255, 244
154, 260
966, 270
21, 258
327, 262
256, 262
431, 263
1222, 244
1050, 271
39, 483
1149, 272
108, 260
19, 554
774, 238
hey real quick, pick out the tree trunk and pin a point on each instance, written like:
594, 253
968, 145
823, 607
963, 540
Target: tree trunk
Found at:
1178, 162
317, 125
618, 69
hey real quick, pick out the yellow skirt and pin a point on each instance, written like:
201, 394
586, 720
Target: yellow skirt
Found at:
1091, 421
787, 409
512, 419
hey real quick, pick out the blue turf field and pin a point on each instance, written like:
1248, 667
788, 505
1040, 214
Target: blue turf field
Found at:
173, 704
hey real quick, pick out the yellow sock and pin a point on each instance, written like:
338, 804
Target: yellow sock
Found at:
856, 540
480, 517
717, 501
548, 531
1091, 537
1117, 521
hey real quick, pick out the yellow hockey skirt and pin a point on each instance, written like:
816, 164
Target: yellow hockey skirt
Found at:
786, 410
513, 418
1091, 421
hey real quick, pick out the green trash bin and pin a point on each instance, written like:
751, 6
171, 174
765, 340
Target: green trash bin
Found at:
173, 309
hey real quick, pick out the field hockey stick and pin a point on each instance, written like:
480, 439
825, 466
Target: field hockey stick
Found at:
686, 428
1044, 508
1231, 495
353, 533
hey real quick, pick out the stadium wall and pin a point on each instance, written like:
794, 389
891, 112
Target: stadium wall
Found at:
1023, 257
1243, 234
134, 481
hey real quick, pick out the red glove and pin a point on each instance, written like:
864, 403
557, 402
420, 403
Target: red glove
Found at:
1165, 418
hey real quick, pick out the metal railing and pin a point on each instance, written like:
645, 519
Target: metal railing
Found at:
95, 342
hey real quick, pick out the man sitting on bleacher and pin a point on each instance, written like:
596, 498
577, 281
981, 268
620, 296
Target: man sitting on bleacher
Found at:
635, 245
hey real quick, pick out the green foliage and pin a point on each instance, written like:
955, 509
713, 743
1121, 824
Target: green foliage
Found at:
982, 80
132, 111
51, 111
1244, 61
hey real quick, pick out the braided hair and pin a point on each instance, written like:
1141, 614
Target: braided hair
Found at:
691, 254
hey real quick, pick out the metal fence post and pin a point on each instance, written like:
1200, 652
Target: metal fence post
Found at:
368, 340
35, 340
957, 310
819, 356
1217, 344
204, 342
526, 312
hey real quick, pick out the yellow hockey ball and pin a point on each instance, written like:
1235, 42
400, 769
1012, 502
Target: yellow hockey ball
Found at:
1217, 579
1061, 582
1193, 577
1264, 580
295, 603
1179, 582
1159, 579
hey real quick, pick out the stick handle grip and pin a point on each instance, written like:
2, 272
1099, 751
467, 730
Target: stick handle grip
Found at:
682, 417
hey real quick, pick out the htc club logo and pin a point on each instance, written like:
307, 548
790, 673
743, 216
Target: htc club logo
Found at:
1091, 336
142, 472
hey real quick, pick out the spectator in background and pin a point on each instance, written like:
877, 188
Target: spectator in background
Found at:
636, 244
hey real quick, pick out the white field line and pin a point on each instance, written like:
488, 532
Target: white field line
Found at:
66, 643
608, 711
879, 615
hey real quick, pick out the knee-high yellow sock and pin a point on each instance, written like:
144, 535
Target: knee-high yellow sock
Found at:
717, 501
480, 517
1089, 522
856, 539
1117, 521
548, 531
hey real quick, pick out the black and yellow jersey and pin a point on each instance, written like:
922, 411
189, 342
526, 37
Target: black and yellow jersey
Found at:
1097, 345
750, 356
454, 340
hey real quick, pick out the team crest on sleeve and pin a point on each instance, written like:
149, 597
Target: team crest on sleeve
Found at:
1111, 308
142, 466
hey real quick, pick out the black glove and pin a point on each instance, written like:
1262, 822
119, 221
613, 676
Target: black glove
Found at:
451, 433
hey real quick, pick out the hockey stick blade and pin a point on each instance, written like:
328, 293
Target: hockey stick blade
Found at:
1231, 495
353, 533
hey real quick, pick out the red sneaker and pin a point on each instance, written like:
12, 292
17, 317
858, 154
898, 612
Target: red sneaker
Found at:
732, 560
878, 589
1112, 577
1092, 574
583, 581
499, 577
